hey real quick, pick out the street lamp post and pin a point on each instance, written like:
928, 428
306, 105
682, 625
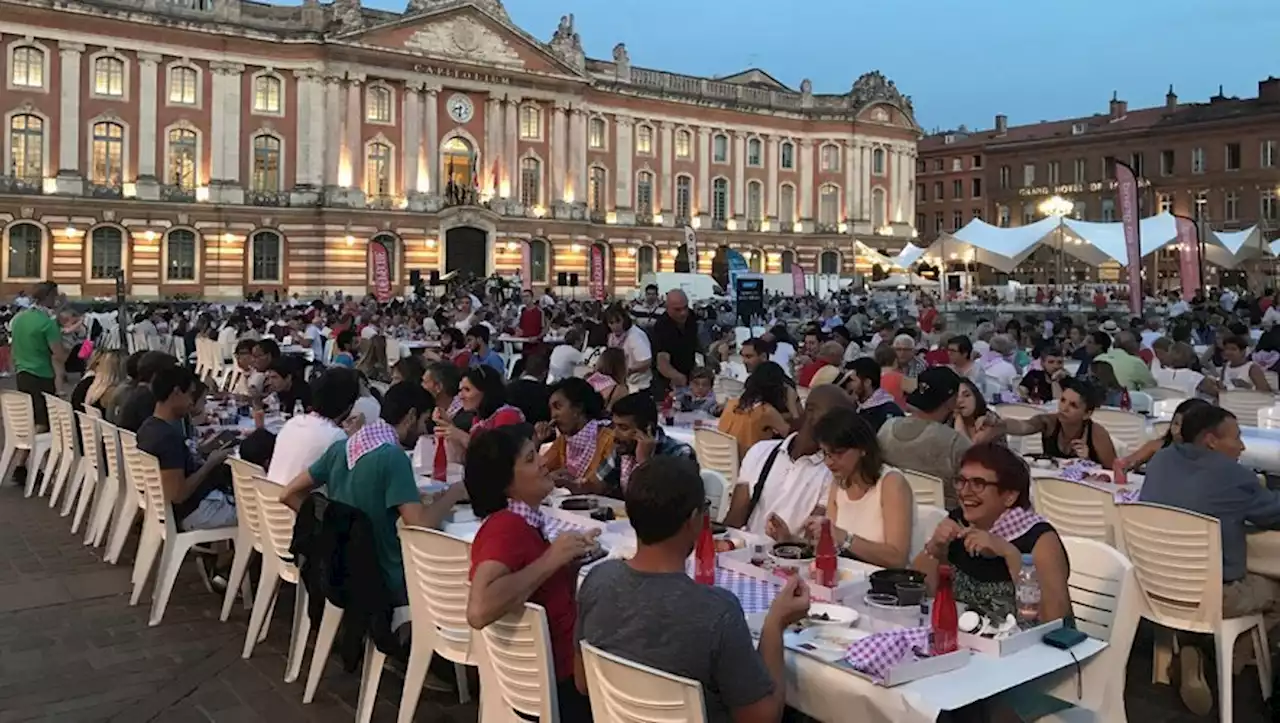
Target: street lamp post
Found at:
1058, 207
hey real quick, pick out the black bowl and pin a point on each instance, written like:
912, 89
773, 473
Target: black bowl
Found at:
719, 528
578, 504
886, 582
798, 551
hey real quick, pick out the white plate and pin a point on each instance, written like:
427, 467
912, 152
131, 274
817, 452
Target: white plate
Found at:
838, 615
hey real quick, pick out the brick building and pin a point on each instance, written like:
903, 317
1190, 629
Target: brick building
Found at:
218, 147
1215, 161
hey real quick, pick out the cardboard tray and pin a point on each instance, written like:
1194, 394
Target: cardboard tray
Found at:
850, 572
1011, 644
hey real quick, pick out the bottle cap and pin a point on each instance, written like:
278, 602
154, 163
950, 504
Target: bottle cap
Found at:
1027, 559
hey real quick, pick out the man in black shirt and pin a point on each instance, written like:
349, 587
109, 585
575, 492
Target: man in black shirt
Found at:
135, 406
530, 393
862, 381
675, 344
200, 494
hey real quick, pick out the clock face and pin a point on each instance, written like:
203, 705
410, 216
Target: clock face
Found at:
460, 108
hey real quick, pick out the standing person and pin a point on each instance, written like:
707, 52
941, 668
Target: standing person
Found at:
39, 355
675, 345
634, 343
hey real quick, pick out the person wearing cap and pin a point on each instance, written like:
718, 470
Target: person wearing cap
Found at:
923, 440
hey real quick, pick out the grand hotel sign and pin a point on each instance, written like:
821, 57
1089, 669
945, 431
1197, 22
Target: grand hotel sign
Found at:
1068, 189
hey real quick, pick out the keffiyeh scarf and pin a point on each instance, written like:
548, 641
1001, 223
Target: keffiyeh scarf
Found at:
532, 516
1014, 523
877, 398
373, 434
580, 447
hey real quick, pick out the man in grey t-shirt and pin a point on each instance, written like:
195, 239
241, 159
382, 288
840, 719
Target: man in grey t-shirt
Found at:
649, 611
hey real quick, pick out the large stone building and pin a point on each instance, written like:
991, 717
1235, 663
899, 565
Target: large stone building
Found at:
218, 147
1216, 161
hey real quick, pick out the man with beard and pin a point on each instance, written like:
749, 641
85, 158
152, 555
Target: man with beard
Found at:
862, 381
1043, 384
637, 437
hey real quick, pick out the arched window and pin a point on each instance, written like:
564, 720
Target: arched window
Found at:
266, 164
378, 100
755, 202
184, 83
26, 251
267, 94
644, 193
106, 254
180, 255
28, 67
596, 134
108, 77
530, 182
596, 189
755, 153
719, 199
644, 140
538, 267
877, 161
787, 205
755, 261
456, 157
878, 211
265, 257
684, 144
684, 197
26, 144
830, 158
377, 170
829, 205
530, 122
182, 159
720, 148
646, 260
108, 154
388, 242
788, 260
787, 156
829, 262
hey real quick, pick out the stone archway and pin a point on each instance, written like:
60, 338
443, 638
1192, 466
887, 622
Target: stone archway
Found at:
466, 251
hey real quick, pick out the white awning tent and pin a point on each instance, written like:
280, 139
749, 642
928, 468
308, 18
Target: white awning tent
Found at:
1240, 246
874, 256
907, 279
907, 256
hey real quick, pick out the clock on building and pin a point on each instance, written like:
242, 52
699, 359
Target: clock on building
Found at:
460, 108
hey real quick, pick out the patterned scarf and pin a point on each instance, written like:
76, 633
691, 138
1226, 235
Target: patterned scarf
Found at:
616, 340
600, 381
990, 359
533, 517
1266, 359
878, 397
373, 434
629, 465
580, 447
455, 406
1014, 523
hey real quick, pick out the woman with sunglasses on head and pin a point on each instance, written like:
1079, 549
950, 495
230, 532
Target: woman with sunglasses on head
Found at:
483, 395
985, 537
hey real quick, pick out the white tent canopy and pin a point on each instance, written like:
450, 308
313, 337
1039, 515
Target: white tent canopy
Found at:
874, 256
907, 256
1001, 248
1240, 246
907, 279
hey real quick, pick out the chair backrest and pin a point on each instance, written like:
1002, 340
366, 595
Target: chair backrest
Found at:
89, 438
242, 474
18, 418
1166, 406
928, 517
727, 388
518, 656
275, 519
156, 507
1177, 561
719, 491
717, 450
93, 411
1159, 429
1141, 402
1273, 380
55, 423
622, 690
1128, 430
925, 488
1166, 394
1075, 508
132, 461
67, 421
1245, 403
112, 462
437, 569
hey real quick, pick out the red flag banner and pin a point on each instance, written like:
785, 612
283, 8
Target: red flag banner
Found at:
1188, 257
381, 271
797, 280
1127, 198
597, 273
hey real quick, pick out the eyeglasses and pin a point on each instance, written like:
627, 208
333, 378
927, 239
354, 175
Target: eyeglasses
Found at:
976, 482
833, 453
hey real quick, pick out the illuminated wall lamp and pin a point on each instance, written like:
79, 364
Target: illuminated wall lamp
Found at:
431, 243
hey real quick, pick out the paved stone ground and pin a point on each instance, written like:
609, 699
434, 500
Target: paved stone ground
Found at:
71, 648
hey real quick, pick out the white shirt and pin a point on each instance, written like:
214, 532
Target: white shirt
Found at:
636, 346
1179, 308
1149, 337
369, 332
1271, 318
302, 440
317, 340
563, 360
782, 356
793, 488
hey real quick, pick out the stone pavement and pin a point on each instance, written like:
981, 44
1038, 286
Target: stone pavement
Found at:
71, 648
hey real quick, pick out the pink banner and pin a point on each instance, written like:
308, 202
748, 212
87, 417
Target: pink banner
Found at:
797, 280
381, 272
526, 261
1188, 257
1127, 197
597, 273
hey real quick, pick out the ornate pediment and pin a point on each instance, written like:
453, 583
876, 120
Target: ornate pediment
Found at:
465, 38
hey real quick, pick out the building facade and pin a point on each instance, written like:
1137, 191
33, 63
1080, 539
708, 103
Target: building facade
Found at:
213, 148
1214, 161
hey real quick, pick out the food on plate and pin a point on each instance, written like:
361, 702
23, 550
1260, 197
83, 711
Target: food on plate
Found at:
793, 551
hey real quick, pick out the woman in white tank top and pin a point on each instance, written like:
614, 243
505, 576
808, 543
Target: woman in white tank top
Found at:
1239, 372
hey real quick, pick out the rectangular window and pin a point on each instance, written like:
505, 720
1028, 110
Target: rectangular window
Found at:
644, 194
919, 221
595, 134
1028, 174
1231, 206
937, 191
922, 194
1028, 214
1109, 167
1268, 159
1108, 210
1003, 216
719, 200
1197, 160
1201, 206
957, 164
1138, 163
595, 190
1167, 159
644, 140
684, 143
787, 206
977, 188
1233, 156
1081, 170
957, 189
957, 220
1269, 205
108, 77
28, 68
976, 162
938, 164
530, 182
920, 166
937, 222
1004, 177
530, 122
720, 149
182, 85
977, 213
1165, 202
1055, 172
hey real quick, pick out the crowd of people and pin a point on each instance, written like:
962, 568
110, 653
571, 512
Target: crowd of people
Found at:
838, 397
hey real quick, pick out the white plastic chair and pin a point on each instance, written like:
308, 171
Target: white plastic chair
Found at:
517, 666
1030, 444
1141, 402
1269, 417
89, 475
719, 493
1159, 429
928, 517
1128, 430
248, 533
1177, 561
111, 496
1076, 509
622, 690
437, 573
925, 488
727, 388
275, 525
18, 421
69, 466
1245, 404
717, 451
134, 499
160, 535
53, 460
1165, 406
1106, 604
1273, 380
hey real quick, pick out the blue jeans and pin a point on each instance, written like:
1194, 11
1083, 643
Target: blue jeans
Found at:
217, 509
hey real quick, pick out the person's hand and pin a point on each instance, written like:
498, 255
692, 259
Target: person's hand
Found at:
943, 534
569, 546
791, 604
562, 478
813, 530
1080, 448
645, 444
543, 431
982, 543
218, 456
679, 380
776, 528
1059, 375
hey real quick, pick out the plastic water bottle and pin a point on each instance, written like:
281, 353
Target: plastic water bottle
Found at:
1028, 592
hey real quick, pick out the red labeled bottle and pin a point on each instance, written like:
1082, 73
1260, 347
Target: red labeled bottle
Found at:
945, 632
704, 555
1125, 403
824, 563
668, 408
440, 464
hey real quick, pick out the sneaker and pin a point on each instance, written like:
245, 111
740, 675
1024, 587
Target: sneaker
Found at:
19, 476
1193, 688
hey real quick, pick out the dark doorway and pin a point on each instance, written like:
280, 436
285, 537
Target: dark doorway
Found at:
465, 251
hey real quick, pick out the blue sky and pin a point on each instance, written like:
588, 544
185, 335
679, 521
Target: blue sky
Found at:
962, 62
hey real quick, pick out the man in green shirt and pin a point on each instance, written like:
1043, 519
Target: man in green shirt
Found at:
1131, 372
38, 358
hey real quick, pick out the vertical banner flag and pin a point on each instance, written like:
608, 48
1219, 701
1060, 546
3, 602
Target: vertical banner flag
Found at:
597, 273
691, 248
381, 272
737, 265
1188, 257
797, 280
1127, 195
526, 262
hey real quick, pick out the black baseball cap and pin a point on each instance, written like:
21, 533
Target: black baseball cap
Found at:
934, 387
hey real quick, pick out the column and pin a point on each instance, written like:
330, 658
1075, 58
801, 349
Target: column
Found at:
623, 154
704, 173
70, 180
511, 144
865, 192
492, 155
909, 200
231, 123
578, 154
805, 167
771, 158
309, 163
147, 185
739, 161
352, 132
559, 152
850, 192
898, 188
411, 127
332, 144
217, 125
429, 154
666, 192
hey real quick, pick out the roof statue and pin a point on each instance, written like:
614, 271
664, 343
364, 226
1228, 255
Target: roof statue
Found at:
621, 63
493, 7
567, 45
620, 54
346, 13
873, 87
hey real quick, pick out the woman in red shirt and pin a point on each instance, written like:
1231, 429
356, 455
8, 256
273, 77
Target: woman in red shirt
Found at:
485, 396
512, 562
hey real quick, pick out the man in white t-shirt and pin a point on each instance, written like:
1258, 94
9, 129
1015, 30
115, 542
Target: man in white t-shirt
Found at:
305, 437
797, 481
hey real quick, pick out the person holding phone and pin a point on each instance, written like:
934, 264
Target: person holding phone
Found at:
636, 439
